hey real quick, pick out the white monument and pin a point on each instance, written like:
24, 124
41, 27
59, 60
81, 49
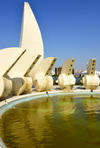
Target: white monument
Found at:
26, 64
66, 79
42, 79
91, 80
19, 73
8, 58
31, 40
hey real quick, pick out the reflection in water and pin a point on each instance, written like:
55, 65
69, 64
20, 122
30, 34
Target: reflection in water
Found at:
53, 122
92, 105
92, 110
40, 122
66, 105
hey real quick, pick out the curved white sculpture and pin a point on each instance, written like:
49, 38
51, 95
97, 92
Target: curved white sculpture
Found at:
21, 84
31, 38
5, 86
66, 79
42, 79
19, 73
15, 73
8, 57
91, 80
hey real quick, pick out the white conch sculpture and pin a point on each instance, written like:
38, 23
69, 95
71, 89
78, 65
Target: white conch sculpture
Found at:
15, 74
8, 57
31, 38
66, 79
42, 79
91, 80
19, 73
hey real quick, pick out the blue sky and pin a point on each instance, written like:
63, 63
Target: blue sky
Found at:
70, 28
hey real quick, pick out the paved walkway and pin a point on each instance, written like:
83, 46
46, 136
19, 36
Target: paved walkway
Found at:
55, 89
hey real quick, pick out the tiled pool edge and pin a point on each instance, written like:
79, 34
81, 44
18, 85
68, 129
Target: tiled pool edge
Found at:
9, 103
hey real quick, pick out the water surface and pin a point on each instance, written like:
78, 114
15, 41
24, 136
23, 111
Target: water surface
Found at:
53, 122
